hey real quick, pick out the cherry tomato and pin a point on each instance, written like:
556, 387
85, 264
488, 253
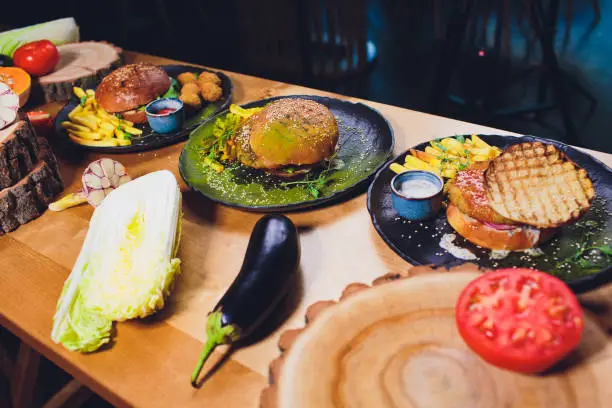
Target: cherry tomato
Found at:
37, 58
41, 120
519, 319
166, 111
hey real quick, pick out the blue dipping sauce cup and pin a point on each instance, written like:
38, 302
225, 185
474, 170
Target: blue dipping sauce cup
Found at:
168, 122
417, 208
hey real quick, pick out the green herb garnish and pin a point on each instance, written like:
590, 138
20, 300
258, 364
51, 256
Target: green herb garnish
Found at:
460, 138
83, 100
315, 186
439, 146
174, 91
587, 249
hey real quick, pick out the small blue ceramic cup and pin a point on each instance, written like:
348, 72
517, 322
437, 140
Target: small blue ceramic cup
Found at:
415, 206
165, 122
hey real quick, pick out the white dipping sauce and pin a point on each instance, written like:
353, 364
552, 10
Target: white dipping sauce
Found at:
462, 253
418, 188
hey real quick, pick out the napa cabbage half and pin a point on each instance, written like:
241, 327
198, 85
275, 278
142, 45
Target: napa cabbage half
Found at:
127, 264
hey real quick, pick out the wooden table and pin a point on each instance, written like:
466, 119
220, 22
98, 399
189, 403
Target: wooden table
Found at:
150, 362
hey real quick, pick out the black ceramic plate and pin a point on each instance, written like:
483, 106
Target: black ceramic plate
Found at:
418, 242
365, 143
149, 139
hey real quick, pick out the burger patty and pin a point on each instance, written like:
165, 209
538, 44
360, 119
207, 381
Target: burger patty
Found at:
467, 192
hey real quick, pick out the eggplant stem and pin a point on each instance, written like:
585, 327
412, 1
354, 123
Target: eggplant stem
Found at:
68, 201
216, 335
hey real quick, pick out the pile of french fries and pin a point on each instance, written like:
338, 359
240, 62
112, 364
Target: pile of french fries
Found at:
447, 156
90, 125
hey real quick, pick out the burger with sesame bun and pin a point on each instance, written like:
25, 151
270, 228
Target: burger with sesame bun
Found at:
290, 136
127, 90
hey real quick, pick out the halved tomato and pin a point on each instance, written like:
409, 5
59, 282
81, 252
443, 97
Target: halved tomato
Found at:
519, 319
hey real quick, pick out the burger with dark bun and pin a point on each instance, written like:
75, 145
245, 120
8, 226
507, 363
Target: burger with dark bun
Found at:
127, 90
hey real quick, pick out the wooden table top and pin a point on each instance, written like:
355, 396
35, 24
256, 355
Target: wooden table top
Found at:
150, 362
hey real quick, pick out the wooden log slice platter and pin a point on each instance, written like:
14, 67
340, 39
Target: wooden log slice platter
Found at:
82, 64
395, 344
29, 174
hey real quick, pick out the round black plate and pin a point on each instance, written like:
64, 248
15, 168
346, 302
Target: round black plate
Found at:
418, 242
149, 139
365, 143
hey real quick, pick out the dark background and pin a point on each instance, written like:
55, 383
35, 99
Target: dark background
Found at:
409, 51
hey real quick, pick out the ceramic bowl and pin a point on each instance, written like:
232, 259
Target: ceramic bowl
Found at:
419, 208
165, 122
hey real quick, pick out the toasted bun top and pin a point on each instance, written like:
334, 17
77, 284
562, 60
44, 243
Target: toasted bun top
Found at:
131, 86
537, 184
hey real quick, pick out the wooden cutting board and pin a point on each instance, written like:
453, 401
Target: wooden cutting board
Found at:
396, 345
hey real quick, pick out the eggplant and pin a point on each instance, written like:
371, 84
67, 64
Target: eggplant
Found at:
270, 264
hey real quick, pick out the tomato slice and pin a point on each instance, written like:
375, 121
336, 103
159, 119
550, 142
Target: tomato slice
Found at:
519, 319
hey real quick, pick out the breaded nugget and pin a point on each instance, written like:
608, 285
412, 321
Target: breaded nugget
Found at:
191, 100
191, 88
209, 77
210, 92
187, 78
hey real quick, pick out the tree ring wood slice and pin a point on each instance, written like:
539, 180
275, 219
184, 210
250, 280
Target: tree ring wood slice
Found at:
81, 64
396, 345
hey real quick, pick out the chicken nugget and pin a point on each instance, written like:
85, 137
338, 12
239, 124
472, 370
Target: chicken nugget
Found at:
191, 100
210, 92
191, 88
209, 77
187, 78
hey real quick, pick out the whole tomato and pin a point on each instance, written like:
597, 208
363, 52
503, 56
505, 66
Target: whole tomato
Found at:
37, 58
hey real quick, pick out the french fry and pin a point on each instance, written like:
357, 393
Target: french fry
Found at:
132, 130
432, 151
412, 162
78, 109
85, 120
106, 133
79, 92
478, 142
74, 126
107, 126
123, 142
479, 151
453, 145
87, 135
98, 143
90, 125
426, 157
397, 168
106, 117
480, 158
449, 173
120, 134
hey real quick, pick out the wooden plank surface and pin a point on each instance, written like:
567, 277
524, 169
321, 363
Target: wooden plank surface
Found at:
150, 362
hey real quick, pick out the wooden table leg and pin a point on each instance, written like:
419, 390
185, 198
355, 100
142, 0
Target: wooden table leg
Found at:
72, 395
25, 372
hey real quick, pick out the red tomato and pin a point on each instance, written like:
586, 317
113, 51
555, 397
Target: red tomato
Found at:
37, 58
41, 120
519, 319
165, 111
